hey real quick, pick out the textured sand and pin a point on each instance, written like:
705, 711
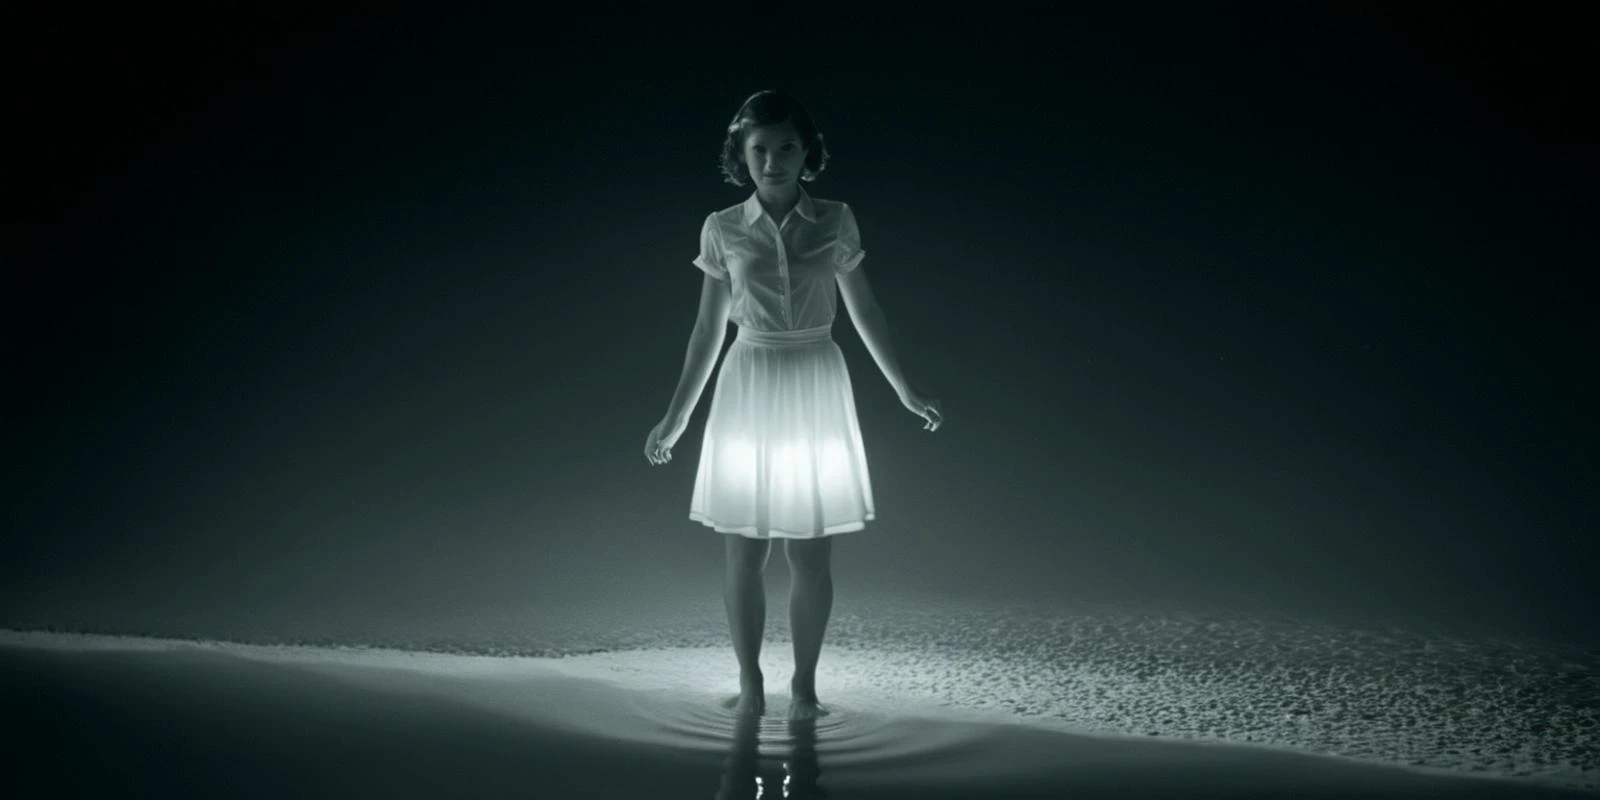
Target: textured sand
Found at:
1516, 710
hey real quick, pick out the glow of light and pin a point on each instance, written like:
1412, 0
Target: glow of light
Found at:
791, 463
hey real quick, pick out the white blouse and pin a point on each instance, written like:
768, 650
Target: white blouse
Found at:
783, 273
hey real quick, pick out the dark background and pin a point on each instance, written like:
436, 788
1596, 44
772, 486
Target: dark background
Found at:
1271, 308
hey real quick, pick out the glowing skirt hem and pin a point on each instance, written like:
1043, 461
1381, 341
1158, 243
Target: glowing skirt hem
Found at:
751, 532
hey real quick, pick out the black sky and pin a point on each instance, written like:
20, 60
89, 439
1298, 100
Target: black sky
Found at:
1250, 306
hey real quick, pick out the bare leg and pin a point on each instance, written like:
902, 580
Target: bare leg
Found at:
745, 596
810, 602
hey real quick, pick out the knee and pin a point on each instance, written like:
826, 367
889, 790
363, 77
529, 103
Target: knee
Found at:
810, 559
748, 555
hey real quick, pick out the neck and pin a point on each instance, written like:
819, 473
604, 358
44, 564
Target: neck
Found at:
780, 199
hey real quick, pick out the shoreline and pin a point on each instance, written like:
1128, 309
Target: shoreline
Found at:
566, 719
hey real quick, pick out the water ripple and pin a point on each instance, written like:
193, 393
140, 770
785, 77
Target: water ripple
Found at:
1514, 709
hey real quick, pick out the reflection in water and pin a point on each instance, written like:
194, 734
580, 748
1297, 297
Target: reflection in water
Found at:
797, 777
778, 755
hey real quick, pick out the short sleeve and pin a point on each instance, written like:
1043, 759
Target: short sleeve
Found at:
710, 258
847, 243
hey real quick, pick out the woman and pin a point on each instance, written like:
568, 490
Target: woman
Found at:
782, 455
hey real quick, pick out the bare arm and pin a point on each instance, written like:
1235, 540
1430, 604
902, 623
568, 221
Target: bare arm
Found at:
705, 343
873, 326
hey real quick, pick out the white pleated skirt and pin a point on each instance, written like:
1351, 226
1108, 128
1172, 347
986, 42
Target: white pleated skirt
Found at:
782, 455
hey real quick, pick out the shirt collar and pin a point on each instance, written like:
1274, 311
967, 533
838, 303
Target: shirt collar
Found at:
752, 208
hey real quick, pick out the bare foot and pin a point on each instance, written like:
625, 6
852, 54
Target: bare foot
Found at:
802, 708
751, 699
803, 702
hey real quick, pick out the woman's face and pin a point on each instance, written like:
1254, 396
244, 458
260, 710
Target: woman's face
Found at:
773, 154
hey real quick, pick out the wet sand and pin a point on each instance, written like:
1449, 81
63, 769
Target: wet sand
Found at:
147, 717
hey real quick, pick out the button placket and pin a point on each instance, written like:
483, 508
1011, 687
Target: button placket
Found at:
783, 276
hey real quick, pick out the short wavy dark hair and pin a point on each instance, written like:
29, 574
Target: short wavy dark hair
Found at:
771, 107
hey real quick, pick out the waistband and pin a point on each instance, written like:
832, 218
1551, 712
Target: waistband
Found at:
822, 333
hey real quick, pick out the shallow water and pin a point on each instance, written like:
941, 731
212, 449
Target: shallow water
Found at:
1519, 710
157, 717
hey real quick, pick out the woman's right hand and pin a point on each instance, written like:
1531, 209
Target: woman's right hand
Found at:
658, 445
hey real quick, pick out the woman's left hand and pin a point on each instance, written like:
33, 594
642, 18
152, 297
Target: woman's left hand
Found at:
923, 406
